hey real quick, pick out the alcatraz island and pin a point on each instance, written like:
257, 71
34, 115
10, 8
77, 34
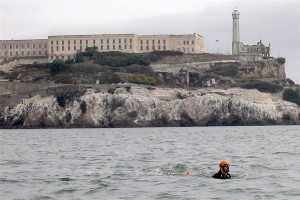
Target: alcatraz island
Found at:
129, 80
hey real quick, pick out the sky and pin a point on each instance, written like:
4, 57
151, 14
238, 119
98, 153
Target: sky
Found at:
273, 21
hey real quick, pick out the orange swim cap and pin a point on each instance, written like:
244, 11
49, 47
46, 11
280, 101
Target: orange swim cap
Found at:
223, 162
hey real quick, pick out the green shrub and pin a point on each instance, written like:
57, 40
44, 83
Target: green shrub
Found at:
226, 69
69, 61
262, 86
57, 66
142, 79
138, 69
156, 55
79, 58
292, 95
108, 77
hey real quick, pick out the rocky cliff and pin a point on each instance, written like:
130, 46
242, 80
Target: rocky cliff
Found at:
140, 107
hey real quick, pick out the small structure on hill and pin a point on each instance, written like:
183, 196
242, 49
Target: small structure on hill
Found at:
246, 52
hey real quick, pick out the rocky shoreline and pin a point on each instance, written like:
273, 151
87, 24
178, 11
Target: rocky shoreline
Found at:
158, 107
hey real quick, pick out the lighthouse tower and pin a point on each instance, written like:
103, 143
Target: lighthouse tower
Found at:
235, 32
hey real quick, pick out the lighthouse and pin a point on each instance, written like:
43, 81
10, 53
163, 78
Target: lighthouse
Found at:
235, 32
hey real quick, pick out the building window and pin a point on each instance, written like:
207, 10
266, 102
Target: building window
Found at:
141, 48
45, 52
57, 48
130, 46
119, 41
113, 41
120, 47
69, 42
147, 41
192, 49
80, 48
22, 53
10, 53
17, 46
80, 41
33, 52
10, 46
45, 45
56, 42
130, 41
125, 40
69, 48
74, 42
107, 41
28, 53
101, 47
94, 42
107, 47
113, 47
147, 48
141, 42
74, 48
101, 41
187, 42
153, 48
86, 42
34, 46
51, 42
62, 48
153, 42
51, 57
28, 46
125, 46
40, 53
17, 53
184, 42
192, 42
164, 41
63, 57
69, 57
165, 47
40, 46
158, 47
158, 41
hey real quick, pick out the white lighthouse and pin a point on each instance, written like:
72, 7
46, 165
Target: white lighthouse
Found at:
235, 32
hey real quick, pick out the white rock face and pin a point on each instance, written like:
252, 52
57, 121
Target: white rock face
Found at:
159, 107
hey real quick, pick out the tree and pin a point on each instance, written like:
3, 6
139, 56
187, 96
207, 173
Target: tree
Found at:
79, 58
56, 66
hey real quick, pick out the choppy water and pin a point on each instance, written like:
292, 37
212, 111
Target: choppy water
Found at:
147, 163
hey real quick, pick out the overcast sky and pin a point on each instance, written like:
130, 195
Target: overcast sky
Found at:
276, 22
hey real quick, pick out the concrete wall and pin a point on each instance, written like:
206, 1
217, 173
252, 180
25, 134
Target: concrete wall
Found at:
192, 67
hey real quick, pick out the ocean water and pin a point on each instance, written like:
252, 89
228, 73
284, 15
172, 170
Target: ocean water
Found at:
147, 163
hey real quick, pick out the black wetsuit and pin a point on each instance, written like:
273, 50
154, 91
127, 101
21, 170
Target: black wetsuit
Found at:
219, 175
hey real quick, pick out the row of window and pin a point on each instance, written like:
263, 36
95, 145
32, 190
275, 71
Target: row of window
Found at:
23, 46
252, 49
188, 42
63, 42
23, 53
81, 48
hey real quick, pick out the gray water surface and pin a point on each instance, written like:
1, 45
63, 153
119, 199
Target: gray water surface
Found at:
147, 163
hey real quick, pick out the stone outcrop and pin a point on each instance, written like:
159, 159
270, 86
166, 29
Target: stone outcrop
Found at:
140, 107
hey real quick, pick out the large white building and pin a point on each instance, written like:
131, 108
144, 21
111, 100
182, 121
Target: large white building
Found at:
246, 52
66, 46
